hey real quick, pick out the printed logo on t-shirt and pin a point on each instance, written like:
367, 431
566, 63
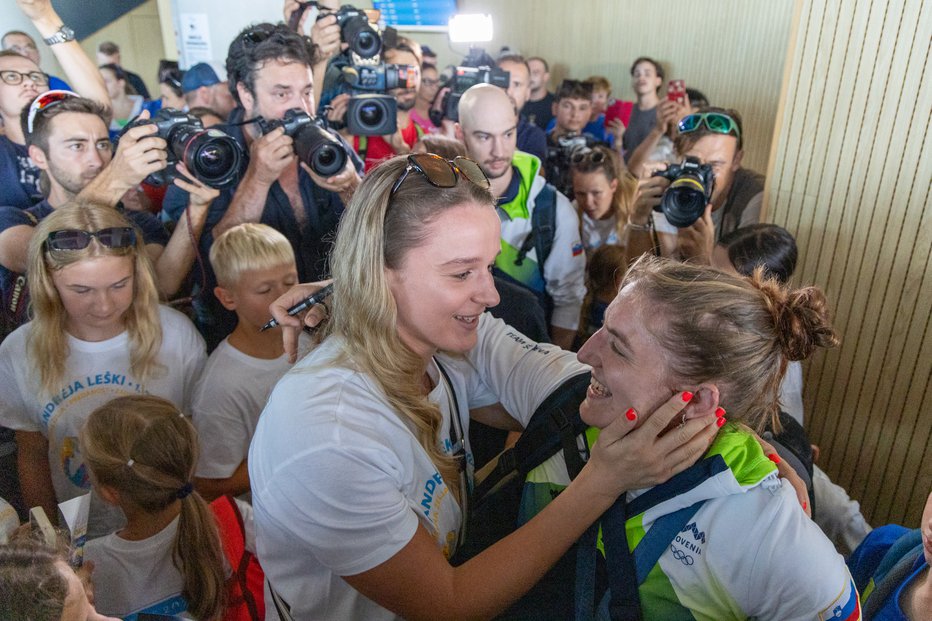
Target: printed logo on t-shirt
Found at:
90, 381
72, 464
28, 174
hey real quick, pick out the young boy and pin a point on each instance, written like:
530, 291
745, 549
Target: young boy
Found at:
571, 110
254, 265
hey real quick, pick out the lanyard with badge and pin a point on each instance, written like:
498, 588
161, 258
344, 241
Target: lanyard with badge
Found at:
458, 448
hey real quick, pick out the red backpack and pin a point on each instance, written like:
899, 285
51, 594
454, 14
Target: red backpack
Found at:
246, 600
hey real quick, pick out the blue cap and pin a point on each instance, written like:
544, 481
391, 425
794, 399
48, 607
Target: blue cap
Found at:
197, 76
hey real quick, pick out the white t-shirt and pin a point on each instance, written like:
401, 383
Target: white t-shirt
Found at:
597, 233
131, 577
791, 391
227, 402
94, 374
340, 482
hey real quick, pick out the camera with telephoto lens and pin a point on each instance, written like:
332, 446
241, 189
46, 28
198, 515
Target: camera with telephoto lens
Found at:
355, 31
371, 111
690, 190
313, 143
461, 80
212, 157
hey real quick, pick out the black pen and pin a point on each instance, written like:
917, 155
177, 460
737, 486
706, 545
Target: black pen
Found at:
303, 305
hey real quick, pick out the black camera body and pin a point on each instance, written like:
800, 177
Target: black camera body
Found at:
355, 31
690, 190
371, 111
559, 158
462, 79
212, 156
313, 142
380, 78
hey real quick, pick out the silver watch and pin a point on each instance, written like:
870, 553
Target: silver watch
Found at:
62, 35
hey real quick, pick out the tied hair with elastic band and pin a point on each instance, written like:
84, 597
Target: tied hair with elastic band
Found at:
799, 317
185, 491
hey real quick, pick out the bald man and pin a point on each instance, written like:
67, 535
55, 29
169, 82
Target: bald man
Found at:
550, 262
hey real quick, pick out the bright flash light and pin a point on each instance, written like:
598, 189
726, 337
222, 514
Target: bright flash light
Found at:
470, 28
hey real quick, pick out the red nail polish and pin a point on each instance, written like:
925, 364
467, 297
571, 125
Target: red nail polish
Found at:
687, 396
719, 412
631, 414
805, 505
720, 421
774, 458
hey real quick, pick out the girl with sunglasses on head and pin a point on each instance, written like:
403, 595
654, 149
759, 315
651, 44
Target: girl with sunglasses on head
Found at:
97, 332
361, 464
604, 194
21, 80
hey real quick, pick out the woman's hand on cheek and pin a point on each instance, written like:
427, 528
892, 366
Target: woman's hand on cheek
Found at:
627, 458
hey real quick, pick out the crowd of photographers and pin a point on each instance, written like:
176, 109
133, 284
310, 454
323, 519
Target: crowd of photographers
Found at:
586, 179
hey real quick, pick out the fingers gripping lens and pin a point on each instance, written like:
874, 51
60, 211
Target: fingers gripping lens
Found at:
74, 239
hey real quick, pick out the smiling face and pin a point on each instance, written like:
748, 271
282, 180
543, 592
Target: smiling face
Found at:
445, 284
629, 368
594, 193
96, 293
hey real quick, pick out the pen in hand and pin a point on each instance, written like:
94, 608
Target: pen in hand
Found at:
303, 305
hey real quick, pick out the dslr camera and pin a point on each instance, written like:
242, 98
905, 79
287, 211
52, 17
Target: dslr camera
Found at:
690, 190
212, 156
313, 143
355, 31
371, 111
560, 157
463, 78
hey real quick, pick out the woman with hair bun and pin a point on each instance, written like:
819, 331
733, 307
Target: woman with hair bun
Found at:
361, 465
97, 332
727, 538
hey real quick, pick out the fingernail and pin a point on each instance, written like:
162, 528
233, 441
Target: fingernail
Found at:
774, 458
687, 396
719, 412
720, 421
631, 414
805, 505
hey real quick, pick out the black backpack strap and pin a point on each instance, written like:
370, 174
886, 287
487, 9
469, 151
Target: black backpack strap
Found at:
543, 228
554, 425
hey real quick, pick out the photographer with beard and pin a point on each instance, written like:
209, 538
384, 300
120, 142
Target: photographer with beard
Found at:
374, 149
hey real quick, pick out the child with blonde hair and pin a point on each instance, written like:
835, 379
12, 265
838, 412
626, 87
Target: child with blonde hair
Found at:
169, 558
254, 264
97, 332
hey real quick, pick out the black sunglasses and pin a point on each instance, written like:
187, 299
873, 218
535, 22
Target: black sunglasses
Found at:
442, 173
74, 239
587, 155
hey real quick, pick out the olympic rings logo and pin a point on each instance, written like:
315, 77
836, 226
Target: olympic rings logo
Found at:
681, 556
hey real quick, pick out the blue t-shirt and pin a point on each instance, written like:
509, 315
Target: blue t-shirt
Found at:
883, 548
532, 139
19, 176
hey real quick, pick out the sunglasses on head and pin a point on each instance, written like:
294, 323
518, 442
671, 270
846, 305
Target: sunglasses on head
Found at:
255, 36
43, 101
587, 155
442, 173
74, 239
715, 121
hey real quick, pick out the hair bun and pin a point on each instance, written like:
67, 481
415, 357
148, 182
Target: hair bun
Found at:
801, 317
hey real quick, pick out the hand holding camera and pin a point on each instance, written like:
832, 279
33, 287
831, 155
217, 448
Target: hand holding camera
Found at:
690, 190
314, 145
269, 155
140, 152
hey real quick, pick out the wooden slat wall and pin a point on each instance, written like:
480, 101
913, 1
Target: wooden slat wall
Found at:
850, 177
732, 50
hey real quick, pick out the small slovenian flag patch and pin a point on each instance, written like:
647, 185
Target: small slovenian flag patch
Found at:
577, 250
845, 608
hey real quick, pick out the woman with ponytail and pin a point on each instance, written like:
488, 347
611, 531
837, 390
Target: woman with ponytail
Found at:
168, 559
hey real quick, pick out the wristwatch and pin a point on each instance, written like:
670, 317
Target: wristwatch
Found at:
61, 35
